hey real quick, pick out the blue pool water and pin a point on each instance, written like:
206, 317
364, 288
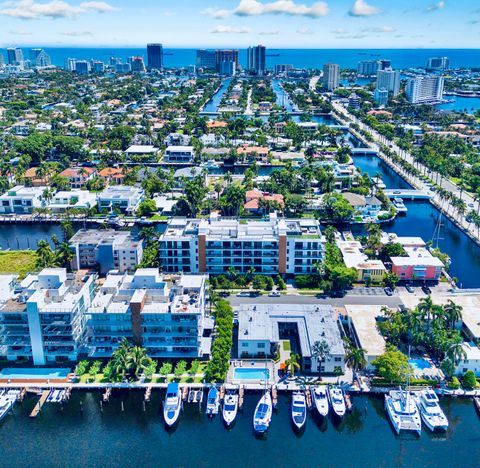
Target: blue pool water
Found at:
419, 364
251, 374
31, 374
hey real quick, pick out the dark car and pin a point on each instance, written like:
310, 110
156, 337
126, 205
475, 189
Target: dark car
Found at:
409, 288
224, 294
337, 294
426, 289
388, 291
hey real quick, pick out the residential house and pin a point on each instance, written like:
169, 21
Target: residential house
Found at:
112, 176
179, 154
78, 176
353, 257
22, 200
252, 153
31, 178
253, 197
120, 197
76, 198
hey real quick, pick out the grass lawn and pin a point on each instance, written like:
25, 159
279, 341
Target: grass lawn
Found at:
17, 261
286, 345
158, 218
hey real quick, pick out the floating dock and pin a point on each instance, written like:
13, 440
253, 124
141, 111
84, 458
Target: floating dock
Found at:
184, 393
38, 406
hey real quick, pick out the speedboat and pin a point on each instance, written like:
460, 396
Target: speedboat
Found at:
430, 411
403, 412
172, 404
337, 400
210, 164
230, 408
379, 182
213, 401
263, 413
7, 400
299, 409
399, 205
319, 397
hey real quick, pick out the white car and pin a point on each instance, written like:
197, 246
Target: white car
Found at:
274, 294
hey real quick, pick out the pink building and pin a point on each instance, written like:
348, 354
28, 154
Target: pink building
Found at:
419, 265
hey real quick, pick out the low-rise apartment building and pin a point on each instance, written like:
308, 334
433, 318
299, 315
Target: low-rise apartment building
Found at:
44, 319
78, 199
106, 249
273, 246
179, 154
164, 315
120, 197
22, 200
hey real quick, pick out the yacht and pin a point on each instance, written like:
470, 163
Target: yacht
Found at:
403, 411
337, 400
299, 409
379, 182
230, 408
263, 413
213, 401
430, 411
319, 397
172, 404
210, 164
399, 205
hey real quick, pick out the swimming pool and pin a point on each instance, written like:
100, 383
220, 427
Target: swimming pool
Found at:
34, 374
254, 373
419, 364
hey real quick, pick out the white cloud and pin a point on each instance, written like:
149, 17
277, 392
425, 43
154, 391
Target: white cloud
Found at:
20, 32
352, 36
229, 30
76, 33
362, 8
304, 31
269, 33
217, 13
29, 9
281, 7
339, 31
381, 29
437, 6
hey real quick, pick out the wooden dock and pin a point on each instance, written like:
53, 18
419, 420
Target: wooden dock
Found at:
40, 403
22, 394
107, 394
274, 396
222, 392
241, 395
148, 394
184, 393
348, 402
476, 402
308, 397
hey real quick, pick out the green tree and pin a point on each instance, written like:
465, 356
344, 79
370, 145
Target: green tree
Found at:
147, 208
469, 380
390, 280
392, 366
259, 282
335, 208
320, 350
355, 358
292, 364
281, 283
165, 369
138, 360
180, 368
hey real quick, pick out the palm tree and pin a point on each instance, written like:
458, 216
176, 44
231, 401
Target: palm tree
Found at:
355, 359
65, 254
453, 312
292, 363
320, 350
139, 360
121, 362
425, 306
455, 351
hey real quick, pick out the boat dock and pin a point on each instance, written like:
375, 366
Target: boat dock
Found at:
241, 396
476, 402
222, 392
274, 396
308, 397
148, 394
38, 406
348, 402
107, 394
184, 393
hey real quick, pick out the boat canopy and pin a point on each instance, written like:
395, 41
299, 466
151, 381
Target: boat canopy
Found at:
172, 388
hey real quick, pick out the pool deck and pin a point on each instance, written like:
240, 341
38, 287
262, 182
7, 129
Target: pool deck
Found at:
252, 364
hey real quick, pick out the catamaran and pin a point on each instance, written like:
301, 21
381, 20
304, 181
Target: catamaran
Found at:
299, 409
213, 401
263, 413
319, 397
403, 411
430, 411
172, 404
230, 407
337, 400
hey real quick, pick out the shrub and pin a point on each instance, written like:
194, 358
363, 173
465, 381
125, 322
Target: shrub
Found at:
82, 367
180, 368
95, 368
194, 366
281, 283
269, 283
469, 380
166, 368
454, 384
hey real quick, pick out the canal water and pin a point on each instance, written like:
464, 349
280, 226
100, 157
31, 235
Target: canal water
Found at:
212, 105
112, 438
27, 236
460, 103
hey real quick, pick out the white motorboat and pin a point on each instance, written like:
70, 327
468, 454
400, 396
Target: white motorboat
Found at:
319, 397
430, 411
7, 400
379, 182
403, 411
263, 413
213, 401
230, 408
172, 404
299, 409
337, 401
399, 205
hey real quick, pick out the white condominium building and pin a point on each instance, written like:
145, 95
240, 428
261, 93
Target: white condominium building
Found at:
424, 89
390, 80
273, 246
44, 318
165, 315
331, 76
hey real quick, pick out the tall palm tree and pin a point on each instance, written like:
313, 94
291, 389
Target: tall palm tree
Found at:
292, 364
121, 362
453, 312
65, 254
456, 352
320, 350
355, 359
139, 360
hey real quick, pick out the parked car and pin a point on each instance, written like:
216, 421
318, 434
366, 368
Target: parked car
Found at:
224, 294
243, 294
388, 291
426, 289
274, 294
409, 288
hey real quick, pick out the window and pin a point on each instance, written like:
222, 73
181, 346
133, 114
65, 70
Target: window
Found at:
338, 359
244, 345
261, 345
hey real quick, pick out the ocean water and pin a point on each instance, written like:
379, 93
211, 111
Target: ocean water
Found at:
302, 58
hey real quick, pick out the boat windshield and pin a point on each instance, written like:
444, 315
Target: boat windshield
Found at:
262, 411
229, 407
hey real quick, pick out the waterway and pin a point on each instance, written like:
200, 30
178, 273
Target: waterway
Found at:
212, 105
460, 103
113, 438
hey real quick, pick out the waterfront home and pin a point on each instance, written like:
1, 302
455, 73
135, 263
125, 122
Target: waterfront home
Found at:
362, 322
78, 176
45, 321
106, 250
32, 179
120, 197
253, 197
165, 205
21, 200
112, 175
214, 245
365, 207
177, 139
179, 154
419, 265
471, 361
212, 139
252, 153
142, 152
216, 124
353, 257
65, 200
261, 327
166, 316
188, 173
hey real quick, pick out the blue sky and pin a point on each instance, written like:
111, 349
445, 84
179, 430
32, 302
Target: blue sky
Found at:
216, 23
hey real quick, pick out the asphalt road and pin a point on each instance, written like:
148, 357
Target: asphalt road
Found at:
351, 299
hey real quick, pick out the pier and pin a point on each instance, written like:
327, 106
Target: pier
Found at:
38, 406
274, 396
